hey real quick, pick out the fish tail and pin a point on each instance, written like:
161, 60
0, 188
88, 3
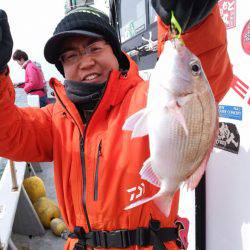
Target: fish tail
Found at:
140, 202
164, 203
162, 200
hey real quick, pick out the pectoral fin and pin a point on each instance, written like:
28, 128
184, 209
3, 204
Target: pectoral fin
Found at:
175, 109
137, 123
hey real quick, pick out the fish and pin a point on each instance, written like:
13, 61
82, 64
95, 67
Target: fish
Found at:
181, 120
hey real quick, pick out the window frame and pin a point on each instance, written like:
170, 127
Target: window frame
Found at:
119, 16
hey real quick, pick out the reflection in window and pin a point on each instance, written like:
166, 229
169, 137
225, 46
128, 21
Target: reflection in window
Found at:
152, 14
133, 18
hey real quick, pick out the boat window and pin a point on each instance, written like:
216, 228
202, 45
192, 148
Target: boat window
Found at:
152, 14
71, 4
133, 18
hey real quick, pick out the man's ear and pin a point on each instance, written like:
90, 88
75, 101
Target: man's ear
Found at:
60, 68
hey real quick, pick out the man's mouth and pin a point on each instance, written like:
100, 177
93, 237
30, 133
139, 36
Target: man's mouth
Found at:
90, 77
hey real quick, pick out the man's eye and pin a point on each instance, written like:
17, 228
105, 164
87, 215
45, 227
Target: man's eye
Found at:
95, 49
70, 56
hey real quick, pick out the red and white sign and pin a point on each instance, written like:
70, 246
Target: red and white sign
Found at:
245, 38
228, 12
241, 88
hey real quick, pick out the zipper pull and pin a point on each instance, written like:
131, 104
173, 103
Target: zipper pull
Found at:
100, 148
82, 143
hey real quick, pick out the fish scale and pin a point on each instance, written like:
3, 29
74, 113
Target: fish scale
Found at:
174, 148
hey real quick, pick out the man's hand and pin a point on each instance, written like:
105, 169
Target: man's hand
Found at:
187, 13
17, 85
6, 42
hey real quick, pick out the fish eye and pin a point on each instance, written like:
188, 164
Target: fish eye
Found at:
195, 68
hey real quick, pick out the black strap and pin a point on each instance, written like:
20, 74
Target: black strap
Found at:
79, 233
157, 242
142, 237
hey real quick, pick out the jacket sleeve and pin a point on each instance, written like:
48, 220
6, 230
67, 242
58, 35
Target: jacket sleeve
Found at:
33, 79
25, 133
207, 40
21, 86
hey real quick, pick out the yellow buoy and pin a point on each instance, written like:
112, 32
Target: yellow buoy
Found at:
46, 210
34, 187
58, 226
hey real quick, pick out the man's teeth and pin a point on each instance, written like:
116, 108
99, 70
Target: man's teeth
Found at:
91, 77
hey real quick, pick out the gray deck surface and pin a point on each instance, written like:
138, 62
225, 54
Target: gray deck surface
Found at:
48, 241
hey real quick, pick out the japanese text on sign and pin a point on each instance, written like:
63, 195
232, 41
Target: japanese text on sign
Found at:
228, 12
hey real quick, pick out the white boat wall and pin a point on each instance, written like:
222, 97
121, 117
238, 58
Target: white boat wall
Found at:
227, 206
228, 173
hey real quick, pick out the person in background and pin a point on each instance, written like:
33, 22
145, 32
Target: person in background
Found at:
35, 83
96, 164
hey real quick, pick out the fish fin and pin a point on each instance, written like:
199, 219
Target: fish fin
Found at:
141, 127
184, 99
164, 203
195, 178
140, 202
175, 109
137, 123
130, 122
148, 174
162, 200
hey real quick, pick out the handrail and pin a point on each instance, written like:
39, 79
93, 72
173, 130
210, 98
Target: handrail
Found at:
13, 176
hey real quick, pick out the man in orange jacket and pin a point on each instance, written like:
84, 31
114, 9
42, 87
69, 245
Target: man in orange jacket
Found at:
96, 164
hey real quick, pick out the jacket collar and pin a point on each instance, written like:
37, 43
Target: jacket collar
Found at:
117, 87
25, 64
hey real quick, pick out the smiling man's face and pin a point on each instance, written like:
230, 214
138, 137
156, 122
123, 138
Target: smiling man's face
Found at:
87, 59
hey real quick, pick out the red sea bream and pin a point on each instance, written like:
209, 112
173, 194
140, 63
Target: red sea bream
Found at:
181, 121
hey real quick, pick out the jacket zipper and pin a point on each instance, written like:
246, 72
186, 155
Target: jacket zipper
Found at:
82, 138
82, 161
99, 153
84, 181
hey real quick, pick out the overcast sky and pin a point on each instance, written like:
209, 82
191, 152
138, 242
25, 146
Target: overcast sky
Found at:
32, 22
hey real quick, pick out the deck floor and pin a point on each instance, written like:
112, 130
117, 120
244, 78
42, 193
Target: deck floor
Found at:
49, 241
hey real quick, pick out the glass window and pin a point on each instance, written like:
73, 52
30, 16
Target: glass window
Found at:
133, 18
152, 14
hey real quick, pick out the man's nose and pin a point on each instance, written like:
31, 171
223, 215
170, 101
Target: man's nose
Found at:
86, 61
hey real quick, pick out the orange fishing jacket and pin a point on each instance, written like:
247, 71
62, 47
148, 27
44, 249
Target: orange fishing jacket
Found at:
97, 166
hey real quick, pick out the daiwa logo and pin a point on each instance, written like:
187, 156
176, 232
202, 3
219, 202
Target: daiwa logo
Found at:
136, 192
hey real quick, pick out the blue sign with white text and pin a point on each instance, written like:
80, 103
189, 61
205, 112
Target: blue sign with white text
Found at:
230, 112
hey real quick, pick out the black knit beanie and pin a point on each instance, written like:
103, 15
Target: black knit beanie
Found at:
86, 21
